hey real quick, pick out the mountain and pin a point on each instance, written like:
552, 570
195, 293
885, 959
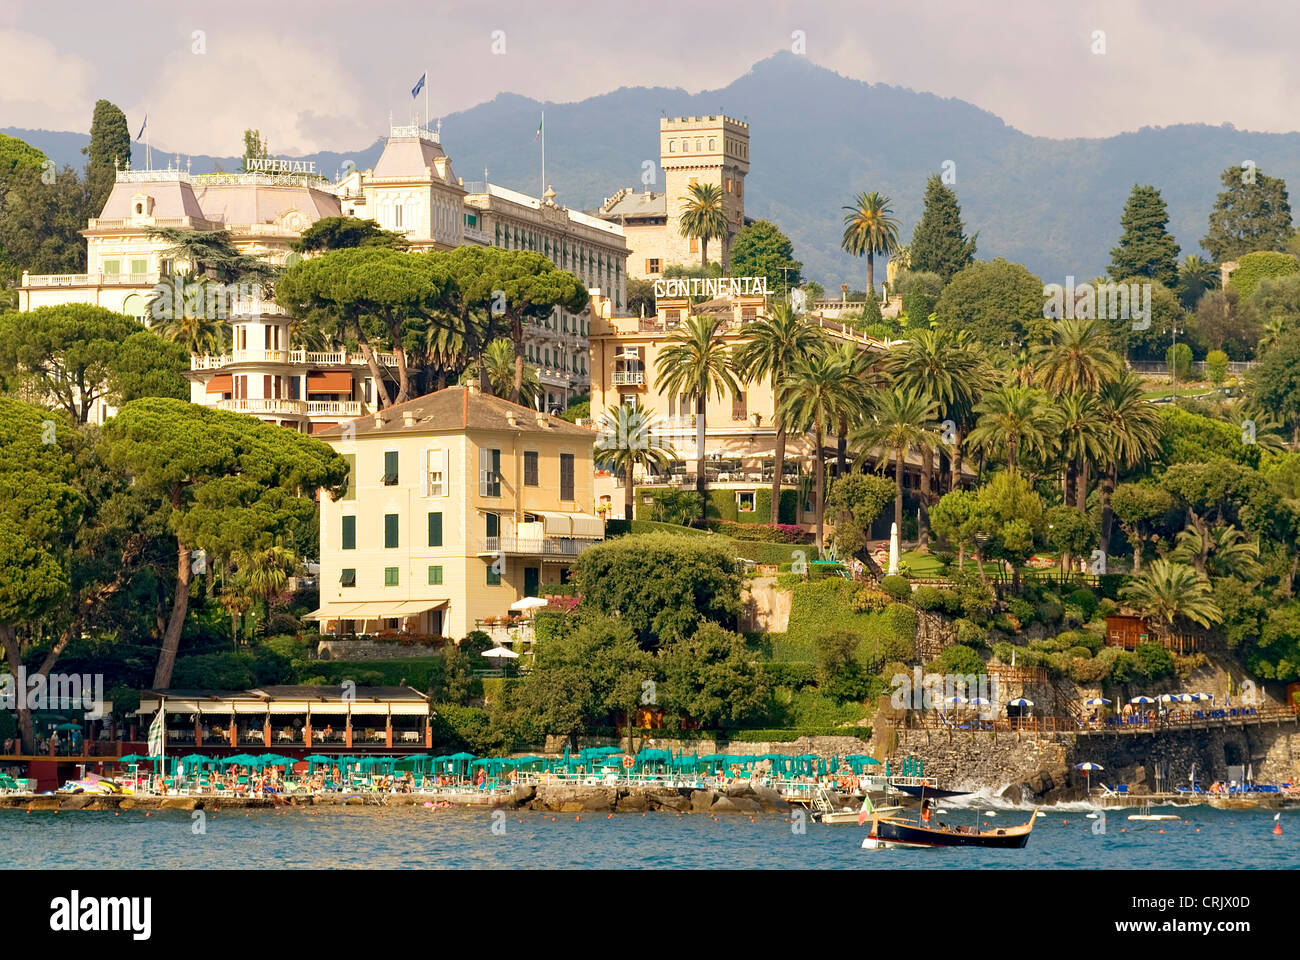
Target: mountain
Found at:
818, 138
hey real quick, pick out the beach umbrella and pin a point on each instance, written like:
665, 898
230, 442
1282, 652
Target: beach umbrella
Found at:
955, 701
1142, 700
68, 726
1169, 698
1096, 702
1087, 769
529, 603
1020, 702
500, 653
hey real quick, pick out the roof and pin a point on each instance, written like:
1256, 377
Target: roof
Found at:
258, 203
298, 692
171, 198
414, 158
644, 204
455, 409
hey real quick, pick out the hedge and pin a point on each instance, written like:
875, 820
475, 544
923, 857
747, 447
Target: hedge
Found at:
788, 735
1254, 267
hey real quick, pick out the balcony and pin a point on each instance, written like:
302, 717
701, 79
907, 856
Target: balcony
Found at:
296, 357
89, 279
280, 406
533, 546
259, 356
340, 408
629, 378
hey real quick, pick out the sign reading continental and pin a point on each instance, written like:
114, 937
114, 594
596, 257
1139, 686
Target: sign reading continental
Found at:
272, 165
711, 287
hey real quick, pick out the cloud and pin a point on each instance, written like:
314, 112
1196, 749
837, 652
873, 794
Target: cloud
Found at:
296, 95
40, 87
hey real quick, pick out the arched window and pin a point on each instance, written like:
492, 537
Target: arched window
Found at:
711, 145
699, 145
672, 146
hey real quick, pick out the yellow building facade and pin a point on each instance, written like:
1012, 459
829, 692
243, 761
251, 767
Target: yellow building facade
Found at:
458, 505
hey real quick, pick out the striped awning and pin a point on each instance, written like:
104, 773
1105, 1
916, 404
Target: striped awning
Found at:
582, 525
375, 609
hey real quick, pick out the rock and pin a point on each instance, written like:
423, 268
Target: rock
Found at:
674, 800
44, 803
701, 801
726, 804
523, 795
77, 802
1012, 793
741, 789
633, 801
602, 799
178, 803
769, 800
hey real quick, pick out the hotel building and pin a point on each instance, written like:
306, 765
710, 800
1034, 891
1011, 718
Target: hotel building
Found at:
712, 150
740, 433
458, 504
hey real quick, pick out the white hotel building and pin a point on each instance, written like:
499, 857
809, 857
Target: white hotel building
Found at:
411, 190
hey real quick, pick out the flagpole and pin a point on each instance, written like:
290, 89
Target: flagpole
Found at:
543, 193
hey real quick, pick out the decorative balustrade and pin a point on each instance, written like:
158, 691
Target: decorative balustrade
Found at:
275, 405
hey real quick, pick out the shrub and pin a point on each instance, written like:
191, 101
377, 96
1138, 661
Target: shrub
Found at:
1089, 670
897, 587
901, 620
1086, 601
957, 659
951, 602
927, 598
870, 600
897, 649
1153, 661
1007, 623
1049, 610
971, 634
1106, 607
1021, 609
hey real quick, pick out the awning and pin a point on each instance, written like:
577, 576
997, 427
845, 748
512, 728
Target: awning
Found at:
375, 610
573, 525
330, 381
222, 383
321, 427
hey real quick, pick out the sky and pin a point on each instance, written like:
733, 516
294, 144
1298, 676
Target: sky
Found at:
326, 76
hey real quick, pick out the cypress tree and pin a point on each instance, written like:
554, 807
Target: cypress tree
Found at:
939, 243
1146, 248
110, 148
1248, 216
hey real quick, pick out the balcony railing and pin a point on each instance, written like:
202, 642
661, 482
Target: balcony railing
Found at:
90, 279
534, 546
343, 408
276, 405
629, 378
296, 357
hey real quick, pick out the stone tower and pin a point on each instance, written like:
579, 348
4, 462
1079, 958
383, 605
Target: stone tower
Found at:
702, 150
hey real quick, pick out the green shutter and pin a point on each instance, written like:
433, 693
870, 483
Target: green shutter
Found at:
435, 529
390, 467
435, 576
349, 533
390, 577
351, 494
390, 530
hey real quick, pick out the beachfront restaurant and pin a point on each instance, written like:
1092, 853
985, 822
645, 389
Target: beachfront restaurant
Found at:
292, 719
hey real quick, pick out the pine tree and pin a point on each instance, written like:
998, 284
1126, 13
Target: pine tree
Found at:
1251, 214
939, 244
254, 147
1146, 248
109, 149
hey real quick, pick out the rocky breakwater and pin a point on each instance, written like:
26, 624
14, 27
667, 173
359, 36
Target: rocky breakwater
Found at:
743, 798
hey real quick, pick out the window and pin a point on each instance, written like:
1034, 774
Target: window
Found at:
390, 468
112, 267
139, 266
435, 529
351, 494
672, 146
397, 215
349, 533
435, 576
738, 406
436, 466
489, 472
390, 530
493, 575
348, 577
695, 244
530, 468
713, 144
492, 524
745, 501
390, 577
566, 476
699, 145
728, 184
652, 265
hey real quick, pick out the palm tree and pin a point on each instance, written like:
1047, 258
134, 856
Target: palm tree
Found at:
947, 367
810, 399
899, 419
443, 347
628, 438
1265, 430
1275, 330
259, 575
499, 359
1223, 552
703, 219
1083, 435
696, 361
1013, 420
1133, 432
1169, 592
194, 330
1195, 276
864, 370
870, 228
769, 350
212, 253
1078, 360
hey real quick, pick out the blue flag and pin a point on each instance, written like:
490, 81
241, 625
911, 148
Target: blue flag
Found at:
142, 126
415, 91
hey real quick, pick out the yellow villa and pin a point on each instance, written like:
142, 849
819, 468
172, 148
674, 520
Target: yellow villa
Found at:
459, 504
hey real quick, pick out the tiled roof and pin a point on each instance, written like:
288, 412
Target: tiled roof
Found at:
458, 408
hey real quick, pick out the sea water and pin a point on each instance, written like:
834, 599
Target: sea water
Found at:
416, 837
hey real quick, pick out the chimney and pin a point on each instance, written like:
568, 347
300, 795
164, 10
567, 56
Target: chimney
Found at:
408, 418
543, 420
472, 386
379, 420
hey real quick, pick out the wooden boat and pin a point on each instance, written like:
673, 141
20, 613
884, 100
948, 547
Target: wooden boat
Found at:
850, 816
889, 832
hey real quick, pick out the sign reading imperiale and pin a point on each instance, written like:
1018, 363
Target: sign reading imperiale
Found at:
711, 287
272, 165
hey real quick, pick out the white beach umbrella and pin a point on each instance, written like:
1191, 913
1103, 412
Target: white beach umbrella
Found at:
1142, 700
500, 653
955, 701
1020, 702
529, 603
1096, 702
